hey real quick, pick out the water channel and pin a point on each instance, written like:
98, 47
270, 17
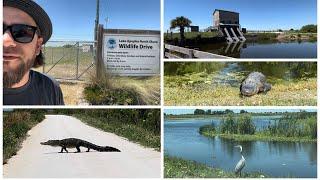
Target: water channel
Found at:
293, 49
275, 159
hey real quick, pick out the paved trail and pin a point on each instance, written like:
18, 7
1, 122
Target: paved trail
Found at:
37, 161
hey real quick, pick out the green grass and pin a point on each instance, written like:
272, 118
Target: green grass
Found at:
97, 96
184, 92
180, 168
16, 124
130, 131
257, 137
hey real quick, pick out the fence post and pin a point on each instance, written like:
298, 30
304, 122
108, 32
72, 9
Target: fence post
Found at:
77, 68
100, 69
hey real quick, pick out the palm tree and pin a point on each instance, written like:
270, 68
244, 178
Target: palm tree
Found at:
180, 22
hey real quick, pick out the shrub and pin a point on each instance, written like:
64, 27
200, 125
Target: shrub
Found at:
245, 125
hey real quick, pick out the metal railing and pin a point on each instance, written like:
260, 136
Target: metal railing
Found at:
176, 52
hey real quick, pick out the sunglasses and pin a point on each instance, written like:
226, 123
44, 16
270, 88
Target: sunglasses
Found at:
21, 33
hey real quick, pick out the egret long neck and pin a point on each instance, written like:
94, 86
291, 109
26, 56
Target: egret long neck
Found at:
242, 157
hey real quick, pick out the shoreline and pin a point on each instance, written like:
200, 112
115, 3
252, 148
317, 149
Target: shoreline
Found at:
175, 167
250, 36
257, 137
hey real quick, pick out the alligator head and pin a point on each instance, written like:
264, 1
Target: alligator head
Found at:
249, 89
51, 143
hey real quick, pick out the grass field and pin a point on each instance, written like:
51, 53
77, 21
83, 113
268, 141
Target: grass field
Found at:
285, 93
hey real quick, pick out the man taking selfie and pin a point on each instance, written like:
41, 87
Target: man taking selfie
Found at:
26, 27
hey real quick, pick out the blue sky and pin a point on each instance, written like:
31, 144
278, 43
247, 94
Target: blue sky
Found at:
254, 14
190, 111
74, 19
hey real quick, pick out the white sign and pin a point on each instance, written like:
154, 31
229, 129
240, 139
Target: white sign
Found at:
132, 54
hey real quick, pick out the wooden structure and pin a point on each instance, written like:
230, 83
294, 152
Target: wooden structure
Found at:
176, 52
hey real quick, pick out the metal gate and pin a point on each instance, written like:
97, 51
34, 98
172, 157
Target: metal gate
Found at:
69, 60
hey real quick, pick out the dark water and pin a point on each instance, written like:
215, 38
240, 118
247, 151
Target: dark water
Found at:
264, 50
276, 159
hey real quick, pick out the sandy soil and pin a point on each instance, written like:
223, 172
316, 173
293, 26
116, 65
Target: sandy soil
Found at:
73, 93
38, 161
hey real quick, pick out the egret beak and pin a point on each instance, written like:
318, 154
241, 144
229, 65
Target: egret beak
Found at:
239, 146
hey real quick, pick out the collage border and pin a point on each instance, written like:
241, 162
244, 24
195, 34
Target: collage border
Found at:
162, 106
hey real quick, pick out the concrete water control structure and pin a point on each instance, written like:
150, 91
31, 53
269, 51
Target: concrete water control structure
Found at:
227, 22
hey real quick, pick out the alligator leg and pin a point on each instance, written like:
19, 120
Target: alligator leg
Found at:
88, 150
63, 148
266, 87
78, 149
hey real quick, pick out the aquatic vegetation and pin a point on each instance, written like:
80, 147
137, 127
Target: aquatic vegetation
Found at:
301, 126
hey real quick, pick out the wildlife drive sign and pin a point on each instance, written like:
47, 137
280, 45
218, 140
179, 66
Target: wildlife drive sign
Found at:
131, 52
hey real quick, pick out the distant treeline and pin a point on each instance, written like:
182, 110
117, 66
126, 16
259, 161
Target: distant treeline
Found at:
209, 112
201, 113
310, 28
16, 124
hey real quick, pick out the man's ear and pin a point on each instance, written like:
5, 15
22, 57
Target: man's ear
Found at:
39, 45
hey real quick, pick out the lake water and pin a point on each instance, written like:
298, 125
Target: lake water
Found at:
263, 50
275, 159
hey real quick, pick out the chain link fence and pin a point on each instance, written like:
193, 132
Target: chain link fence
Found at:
72, 64
69, 60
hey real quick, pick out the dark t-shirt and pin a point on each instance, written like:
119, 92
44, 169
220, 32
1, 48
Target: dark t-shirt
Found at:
39, 90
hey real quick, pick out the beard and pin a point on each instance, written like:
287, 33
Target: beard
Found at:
12, 76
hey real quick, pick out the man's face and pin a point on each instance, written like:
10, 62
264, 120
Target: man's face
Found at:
18, 58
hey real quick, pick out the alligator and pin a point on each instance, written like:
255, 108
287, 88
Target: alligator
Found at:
253, 84
77, 143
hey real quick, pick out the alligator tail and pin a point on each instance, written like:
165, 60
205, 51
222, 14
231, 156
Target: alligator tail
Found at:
110, 149
102, 148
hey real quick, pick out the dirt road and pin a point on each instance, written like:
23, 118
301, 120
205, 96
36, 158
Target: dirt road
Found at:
37, 161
